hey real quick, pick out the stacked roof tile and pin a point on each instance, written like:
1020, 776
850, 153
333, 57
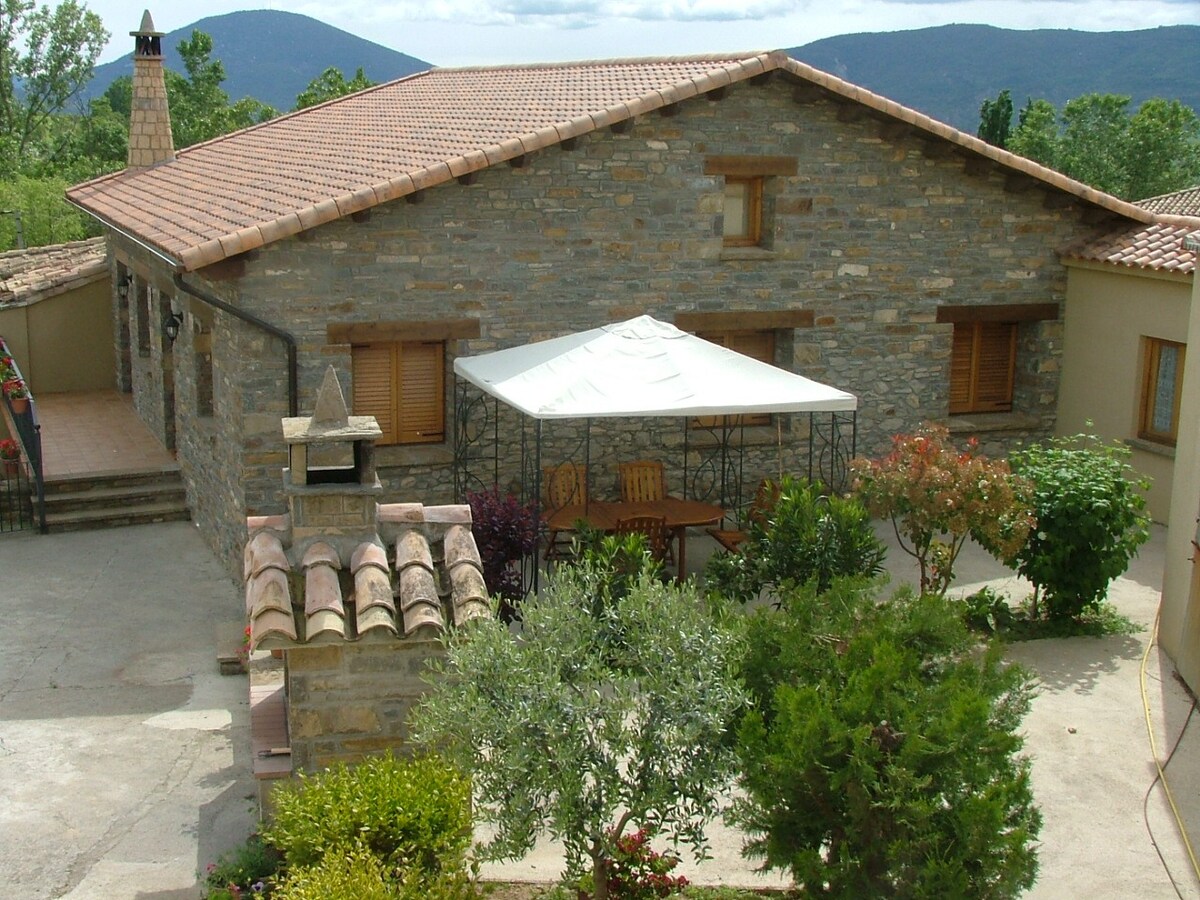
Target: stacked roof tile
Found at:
1161, 246
297, 595
1177, 203
40, 272
251, 188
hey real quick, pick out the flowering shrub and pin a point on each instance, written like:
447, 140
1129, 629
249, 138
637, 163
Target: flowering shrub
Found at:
637, 872
9, 449
505, 531
937, 497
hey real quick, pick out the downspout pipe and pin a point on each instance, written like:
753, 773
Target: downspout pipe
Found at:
287, 337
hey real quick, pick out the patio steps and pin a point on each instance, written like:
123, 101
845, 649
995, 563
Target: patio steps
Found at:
109, 500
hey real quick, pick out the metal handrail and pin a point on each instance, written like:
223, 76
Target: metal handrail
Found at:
29, 433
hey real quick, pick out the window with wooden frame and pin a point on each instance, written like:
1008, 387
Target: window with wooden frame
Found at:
1162, 385
983, 358
402, 384
758, 345
982, 365
743, 212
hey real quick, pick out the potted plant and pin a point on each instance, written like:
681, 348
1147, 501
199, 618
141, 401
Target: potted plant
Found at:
10, 456
17, 394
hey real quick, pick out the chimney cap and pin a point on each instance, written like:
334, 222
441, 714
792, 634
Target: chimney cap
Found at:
147, 27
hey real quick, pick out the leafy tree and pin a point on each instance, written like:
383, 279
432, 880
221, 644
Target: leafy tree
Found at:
937, 497
1097, 141
880, 756
330, 85
601, 714
46, 218
1036, 134
1090, 521
200, 109
46, 58
995, 119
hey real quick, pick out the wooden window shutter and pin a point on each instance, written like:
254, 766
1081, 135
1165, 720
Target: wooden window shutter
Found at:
995, 366
982, 367
371, 369
422, 392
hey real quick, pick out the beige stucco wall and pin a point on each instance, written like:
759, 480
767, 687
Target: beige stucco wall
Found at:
1107, 313
63, 343
1179, 627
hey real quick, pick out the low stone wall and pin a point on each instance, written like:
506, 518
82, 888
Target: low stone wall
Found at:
349, 701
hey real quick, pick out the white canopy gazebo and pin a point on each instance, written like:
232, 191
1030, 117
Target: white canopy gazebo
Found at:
642, 368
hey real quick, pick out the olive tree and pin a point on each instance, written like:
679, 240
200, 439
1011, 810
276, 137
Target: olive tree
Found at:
609, 708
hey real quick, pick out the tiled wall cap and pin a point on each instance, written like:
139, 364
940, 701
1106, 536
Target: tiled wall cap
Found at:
255, 524
376, 621
271, 623
263, 551
460, 547
372, 587
422, 620
322, 591
417, 585
401, 513
452, 514
268, 590
368, 554
321, 553
469, 597
412, 549
325, 626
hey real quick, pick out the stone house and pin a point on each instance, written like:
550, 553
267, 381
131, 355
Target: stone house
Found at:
748, 198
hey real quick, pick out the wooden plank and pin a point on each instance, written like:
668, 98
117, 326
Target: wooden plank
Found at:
744, 320
750, 166
999, 312
417, 330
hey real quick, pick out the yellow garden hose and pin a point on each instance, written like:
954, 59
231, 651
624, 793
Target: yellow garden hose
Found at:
1162, 774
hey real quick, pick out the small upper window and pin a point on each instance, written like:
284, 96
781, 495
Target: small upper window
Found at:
1162, 384
743, 212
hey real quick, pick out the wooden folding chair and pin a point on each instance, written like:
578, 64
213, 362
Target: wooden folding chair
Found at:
765, 500
562, 485
654, 528
642, 480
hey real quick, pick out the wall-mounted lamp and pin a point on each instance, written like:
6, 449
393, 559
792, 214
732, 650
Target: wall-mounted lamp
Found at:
123, 287
171, 325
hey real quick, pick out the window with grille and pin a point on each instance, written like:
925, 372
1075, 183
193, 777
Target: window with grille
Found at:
1162, 384
982, 367
402, 384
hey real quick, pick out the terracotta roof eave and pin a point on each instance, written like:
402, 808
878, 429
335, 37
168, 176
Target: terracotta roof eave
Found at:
1010, 160
125, 233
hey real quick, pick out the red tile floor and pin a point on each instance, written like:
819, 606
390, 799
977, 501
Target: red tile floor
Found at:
96, 431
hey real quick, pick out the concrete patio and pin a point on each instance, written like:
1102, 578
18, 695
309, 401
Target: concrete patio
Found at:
124, 756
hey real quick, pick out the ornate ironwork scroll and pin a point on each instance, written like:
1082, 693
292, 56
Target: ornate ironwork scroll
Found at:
832, 441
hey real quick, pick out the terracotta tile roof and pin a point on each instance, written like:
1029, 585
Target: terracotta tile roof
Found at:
1177, 203
251, 188
1160, 246
27, 276
439, 579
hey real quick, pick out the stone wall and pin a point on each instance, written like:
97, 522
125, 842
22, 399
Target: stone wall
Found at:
347, 701
878, 228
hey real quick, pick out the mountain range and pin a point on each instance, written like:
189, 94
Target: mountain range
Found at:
946, 72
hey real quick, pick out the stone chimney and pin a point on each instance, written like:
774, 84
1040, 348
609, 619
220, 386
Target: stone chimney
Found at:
150, 140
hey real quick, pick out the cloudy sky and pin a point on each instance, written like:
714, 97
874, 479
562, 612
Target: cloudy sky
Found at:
480, 32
